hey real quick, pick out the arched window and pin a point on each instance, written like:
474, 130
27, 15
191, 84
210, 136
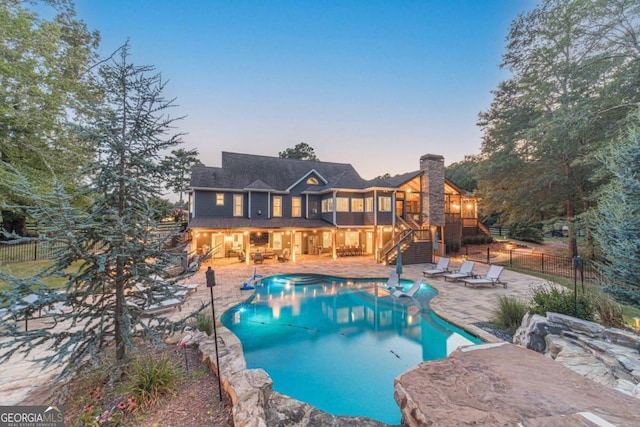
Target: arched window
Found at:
312, 180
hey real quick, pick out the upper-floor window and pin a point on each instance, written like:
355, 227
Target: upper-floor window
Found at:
237, 205
368, 204
312, 180
342, 204
357, 205
219, 199
277, 205
296, 206
384, 204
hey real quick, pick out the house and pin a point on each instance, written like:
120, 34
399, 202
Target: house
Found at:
268, 204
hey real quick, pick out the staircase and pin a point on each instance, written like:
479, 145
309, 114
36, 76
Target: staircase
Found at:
415, 245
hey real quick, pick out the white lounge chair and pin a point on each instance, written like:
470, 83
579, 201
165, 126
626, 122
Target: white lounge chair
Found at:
465, 271
490, 279
158, 305
441, 267
410, 293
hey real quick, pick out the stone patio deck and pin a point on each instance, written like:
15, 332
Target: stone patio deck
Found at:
456, 303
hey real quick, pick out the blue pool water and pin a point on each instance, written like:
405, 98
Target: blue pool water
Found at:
338, 344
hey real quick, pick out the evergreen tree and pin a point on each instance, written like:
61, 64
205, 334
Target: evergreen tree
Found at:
114, 244
178, 166
617, 218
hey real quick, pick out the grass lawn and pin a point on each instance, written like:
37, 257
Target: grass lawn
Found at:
28, 269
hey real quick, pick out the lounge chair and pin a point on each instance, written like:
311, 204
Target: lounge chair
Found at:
158, 305
410, 293
490, 279
465, 271
394, 280
441, 267
284, 256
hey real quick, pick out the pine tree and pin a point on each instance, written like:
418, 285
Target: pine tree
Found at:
617, 219
114, 244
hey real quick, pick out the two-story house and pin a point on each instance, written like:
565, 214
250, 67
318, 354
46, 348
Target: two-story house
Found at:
272, 205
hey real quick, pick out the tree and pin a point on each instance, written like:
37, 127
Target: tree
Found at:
301, 151
463, 173
114, 244
617, 217
178, 166
45, 85
569, 63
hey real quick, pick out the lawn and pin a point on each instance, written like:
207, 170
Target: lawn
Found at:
31, 268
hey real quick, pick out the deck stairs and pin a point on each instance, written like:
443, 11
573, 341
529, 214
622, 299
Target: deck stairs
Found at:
414, 243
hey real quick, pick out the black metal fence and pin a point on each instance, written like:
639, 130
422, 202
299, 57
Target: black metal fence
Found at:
553, 265
27, 251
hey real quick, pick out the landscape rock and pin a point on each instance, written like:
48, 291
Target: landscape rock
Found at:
607, 356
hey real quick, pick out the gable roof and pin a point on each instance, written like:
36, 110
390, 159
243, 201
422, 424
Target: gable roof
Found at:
265, 173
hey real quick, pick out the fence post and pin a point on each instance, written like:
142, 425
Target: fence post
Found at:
510, 257
542, 263
488, 254
35, 250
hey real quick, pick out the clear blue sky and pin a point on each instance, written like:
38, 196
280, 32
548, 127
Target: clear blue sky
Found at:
372, 83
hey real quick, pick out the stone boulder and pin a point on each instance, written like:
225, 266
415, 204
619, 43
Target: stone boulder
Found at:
608, 356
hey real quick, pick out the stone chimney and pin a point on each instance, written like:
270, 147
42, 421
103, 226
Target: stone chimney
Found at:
432, 167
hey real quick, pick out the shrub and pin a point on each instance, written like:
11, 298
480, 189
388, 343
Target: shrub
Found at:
453, 246
509, 313
151, 379
548, 298
525, 232
479, 239
608, 311
203, 323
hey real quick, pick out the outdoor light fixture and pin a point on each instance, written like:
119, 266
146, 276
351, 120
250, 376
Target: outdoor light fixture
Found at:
211, 282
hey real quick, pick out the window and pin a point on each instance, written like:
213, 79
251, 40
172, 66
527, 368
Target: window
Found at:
384, 204
324, 205
342, 204
219, 199
329, 205
368, 204
277, 205
357, 205
313, 181
237, 205
296, 207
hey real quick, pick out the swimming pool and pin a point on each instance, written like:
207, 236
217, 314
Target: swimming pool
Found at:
337, 343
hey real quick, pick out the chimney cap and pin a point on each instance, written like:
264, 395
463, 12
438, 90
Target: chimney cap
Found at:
433, 157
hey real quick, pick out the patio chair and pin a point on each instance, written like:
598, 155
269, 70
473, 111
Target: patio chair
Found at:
258, 258
241, 256
465, 271
490, 279
441, 267
410, 293
159, 305
284, 256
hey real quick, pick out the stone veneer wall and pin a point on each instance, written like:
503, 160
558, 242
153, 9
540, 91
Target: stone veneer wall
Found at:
609, 356
432, 181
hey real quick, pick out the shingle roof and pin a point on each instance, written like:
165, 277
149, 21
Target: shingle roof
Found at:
241, 171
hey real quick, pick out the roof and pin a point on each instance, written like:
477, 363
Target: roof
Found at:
234, 223
265, 173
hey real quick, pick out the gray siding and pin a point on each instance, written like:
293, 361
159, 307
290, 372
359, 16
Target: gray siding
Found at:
259, 203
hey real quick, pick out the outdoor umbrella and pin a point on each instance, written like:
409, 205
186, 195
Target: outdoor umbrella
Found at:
399, 261
435, 240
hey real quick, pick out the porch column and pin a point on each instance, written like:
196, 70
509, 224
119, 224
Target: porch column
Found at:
292, 243
333, 244
247, 245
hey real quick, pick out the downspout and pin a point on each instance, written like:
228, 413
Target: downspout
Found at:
249, 203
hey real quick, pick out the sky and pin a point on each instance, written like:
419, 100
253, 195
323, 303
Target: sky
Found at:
376, 84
